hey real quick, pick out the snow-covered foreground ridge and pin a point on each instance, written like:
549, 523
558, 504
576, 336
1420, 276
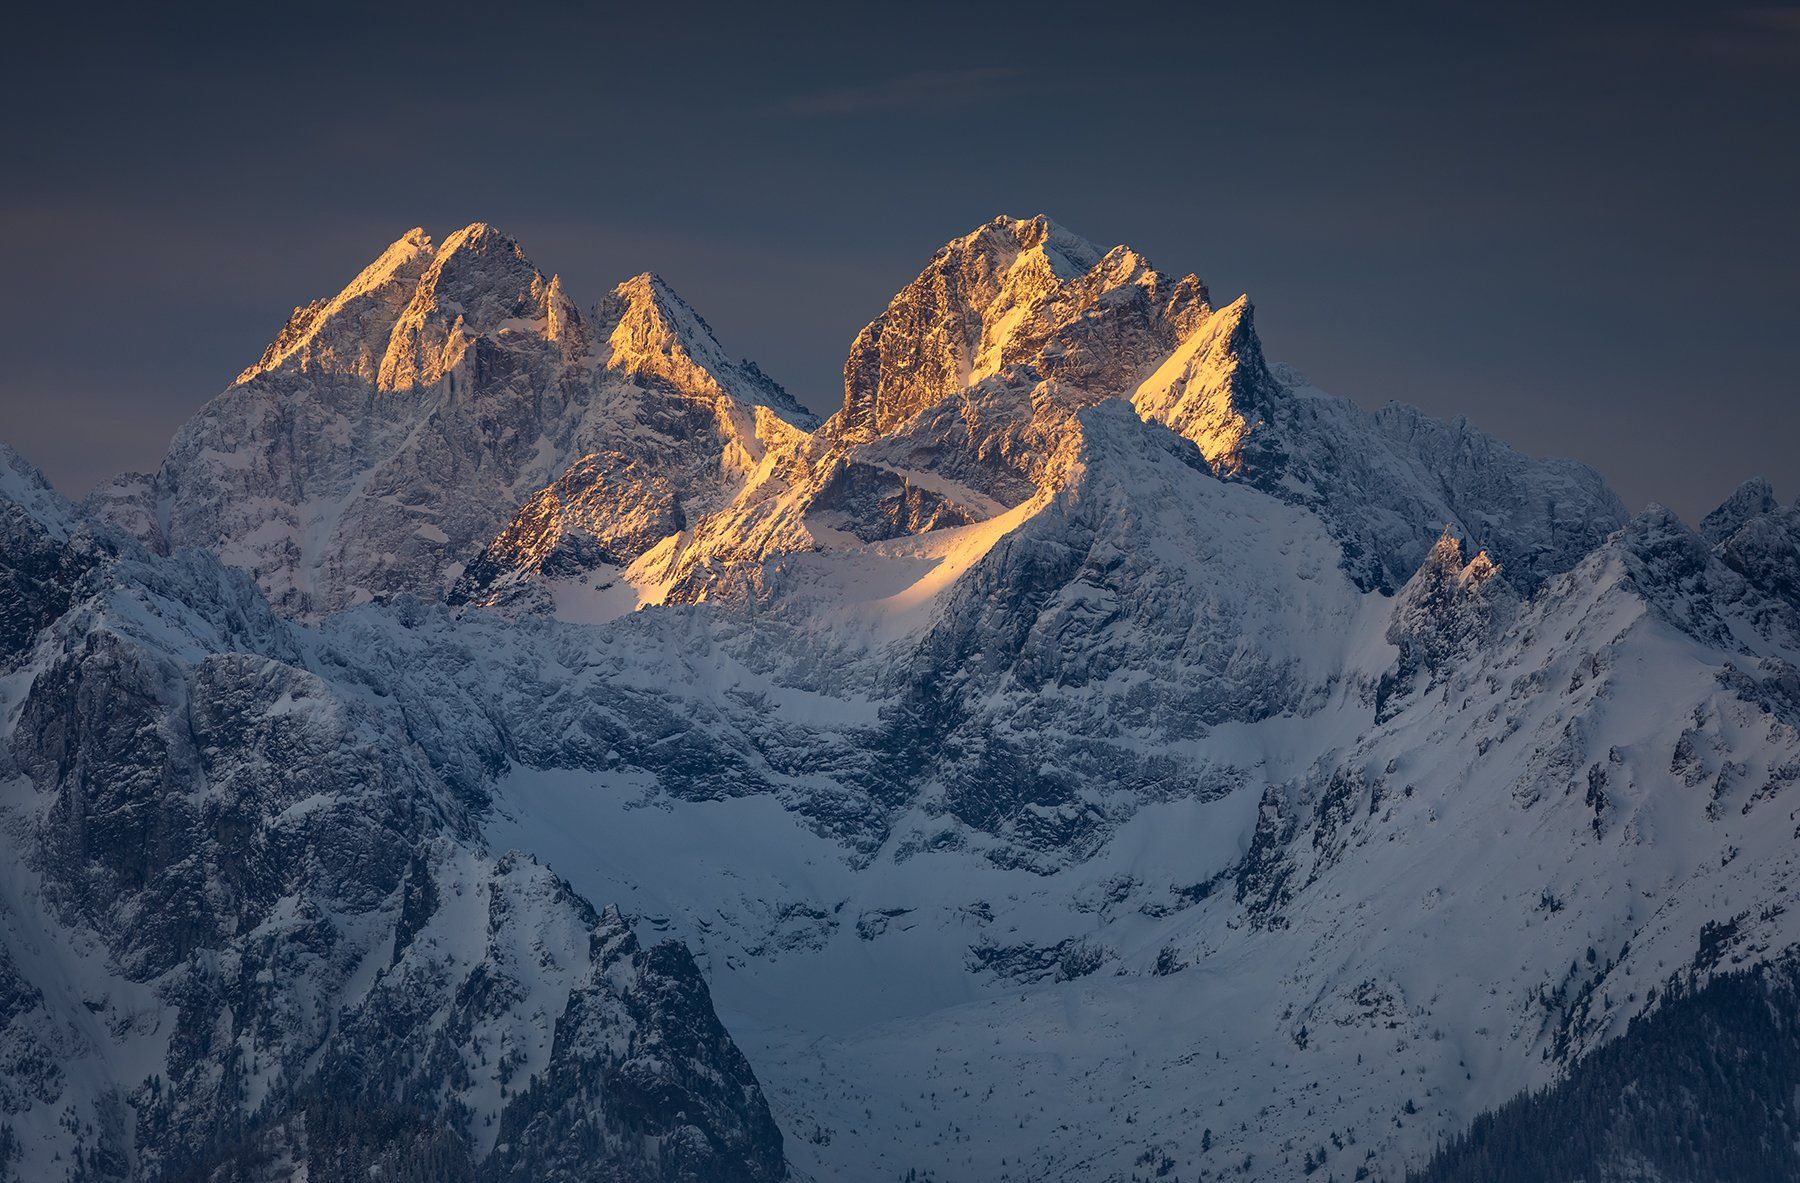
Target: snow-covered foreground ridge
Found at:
1092, 752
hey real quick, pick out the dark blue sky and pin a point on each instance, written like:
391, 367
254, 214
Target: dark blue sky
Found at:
1575, 224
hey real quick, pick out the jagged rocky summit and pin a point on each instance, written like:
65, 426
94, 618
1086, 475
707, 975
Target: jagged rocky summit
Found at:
512, 739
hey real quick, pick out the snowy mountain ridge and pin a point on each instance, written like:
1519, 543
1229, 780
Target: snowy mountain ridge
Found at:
1092, 751
325, 470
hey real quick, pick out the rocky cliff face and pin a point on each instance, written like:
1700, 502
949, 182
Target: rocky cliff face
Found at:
252, 929
1013, 293
44, 550
1086, 687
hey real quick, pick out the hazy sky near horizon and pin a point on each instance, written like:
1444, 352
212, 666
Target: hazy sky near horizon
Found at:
1575, 224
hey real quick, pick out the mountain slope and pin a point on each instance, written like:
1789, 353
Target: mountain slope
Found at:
1091, 753
1701, 1089
242, 904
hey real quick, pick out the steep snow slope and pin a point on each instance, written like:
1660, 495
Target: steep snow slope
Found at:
1412, 891
1383, 930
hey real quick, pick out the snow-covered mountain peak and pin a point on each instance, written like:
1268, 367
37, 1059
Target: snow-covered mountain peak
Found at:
24, 486
1446, 610
1755, 496
1015, 292
409, 316
1209, 388
394, 430
1667, 562
348, 332
962, 400
1039, 236
484, 276
1758, 539
452, 394
478, 283
998, 343
651, 332
1445, 563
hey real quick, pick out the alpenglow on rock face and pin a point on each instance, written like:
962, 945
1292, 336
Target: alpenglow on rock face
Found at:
391, 431
513, 739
